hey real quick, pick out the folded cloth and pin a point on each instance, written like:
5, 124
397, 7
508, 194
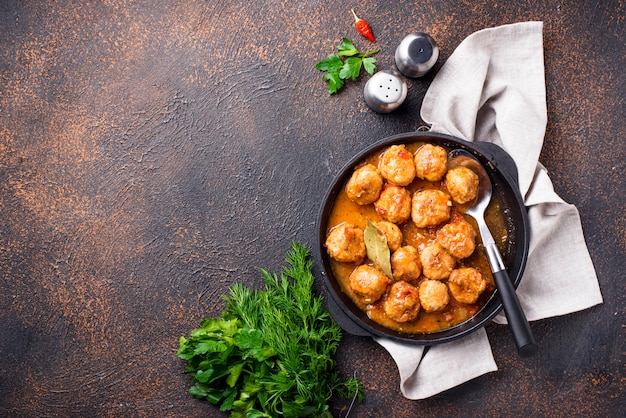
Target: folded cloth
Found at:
492, 89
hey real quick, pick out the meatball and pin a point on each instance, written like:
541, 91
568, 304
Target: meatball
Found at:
431, 162
364, 185
430, 207
397, 165
433, 295
392, 233
394, 204
406, 264
368, 282
458, 238
462, 184
437, 263
403, 302
466, 284
345, 243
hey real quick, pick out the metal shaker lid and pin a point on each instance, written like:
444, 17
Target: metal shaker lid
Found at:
416, 54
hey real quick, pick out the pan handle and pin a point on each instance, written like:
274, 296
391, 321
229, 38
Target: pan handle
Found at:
518, 324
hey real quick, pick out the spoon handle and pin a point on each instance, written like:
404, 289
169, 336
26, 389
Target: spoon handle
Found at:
518, 324
520, 328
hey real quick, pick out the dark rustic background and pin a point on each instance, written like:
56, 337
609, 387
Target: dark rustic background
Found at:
154, 152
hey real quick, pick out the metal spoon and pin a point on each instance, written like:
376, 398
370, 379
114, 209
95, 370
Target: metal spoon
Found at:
522, 334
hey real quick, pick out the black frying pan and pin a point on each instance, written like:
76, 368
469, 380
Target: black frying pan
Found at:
503, 174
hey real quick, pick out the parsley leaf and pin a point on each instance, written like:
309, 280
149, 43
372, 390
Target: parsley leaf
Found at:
369, 64
351, 68
337, 70
270, 354
332, 66
346, 48
331, 63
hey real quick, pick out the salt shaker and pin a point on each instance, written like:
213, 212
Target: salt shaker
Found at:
416, 54
385, 91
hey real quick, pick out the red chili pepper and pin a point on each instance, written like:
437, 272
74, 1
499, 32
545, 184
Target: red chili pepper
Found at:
363, 27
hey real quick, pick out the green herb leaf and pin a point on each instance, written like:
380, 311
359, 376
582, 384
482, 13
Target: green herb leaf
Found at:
377, 248
369, 64
351, 68
209, 347
203, 376
234, 373
199, 391
346, 48
330, 64
337, 70
334, 82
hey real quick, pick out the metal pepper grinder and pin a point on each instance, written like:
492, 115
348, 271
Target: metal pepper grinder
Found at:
416, 54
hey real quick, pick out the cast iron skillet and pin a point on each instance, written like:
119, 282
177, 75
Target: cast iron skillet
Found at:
503, 174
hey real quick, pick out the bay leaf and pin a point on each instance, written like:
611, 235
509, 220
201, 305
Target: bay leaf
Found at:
377, 248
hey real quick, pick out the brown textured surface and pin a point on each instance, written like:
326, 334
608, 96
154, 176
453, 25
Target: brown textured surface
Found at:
152, 153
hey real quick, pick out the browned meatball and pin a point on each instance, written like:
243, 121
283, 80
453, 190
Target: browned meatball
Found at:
346, 243
392, 232
431, 162
430, 207
433, 295
466, 284
397, 165
364, 185
403, 302
406, 264
368, 282
437, 263
458, 238
394, 204
462, 184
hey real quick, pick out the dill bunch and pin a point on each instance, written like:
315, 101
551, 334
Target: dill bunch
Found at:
271, 352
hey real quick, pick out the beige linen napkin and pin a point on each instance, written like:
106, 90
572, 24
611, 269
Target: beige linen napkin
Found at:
492, 89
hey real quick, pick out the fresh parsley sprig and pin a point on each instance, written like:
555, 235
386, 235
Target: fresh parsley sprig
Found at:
337, 70
270, 354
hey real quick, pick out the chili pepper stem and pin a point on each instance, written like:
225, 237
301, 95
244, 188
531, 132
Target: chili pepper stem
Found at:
356, 18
